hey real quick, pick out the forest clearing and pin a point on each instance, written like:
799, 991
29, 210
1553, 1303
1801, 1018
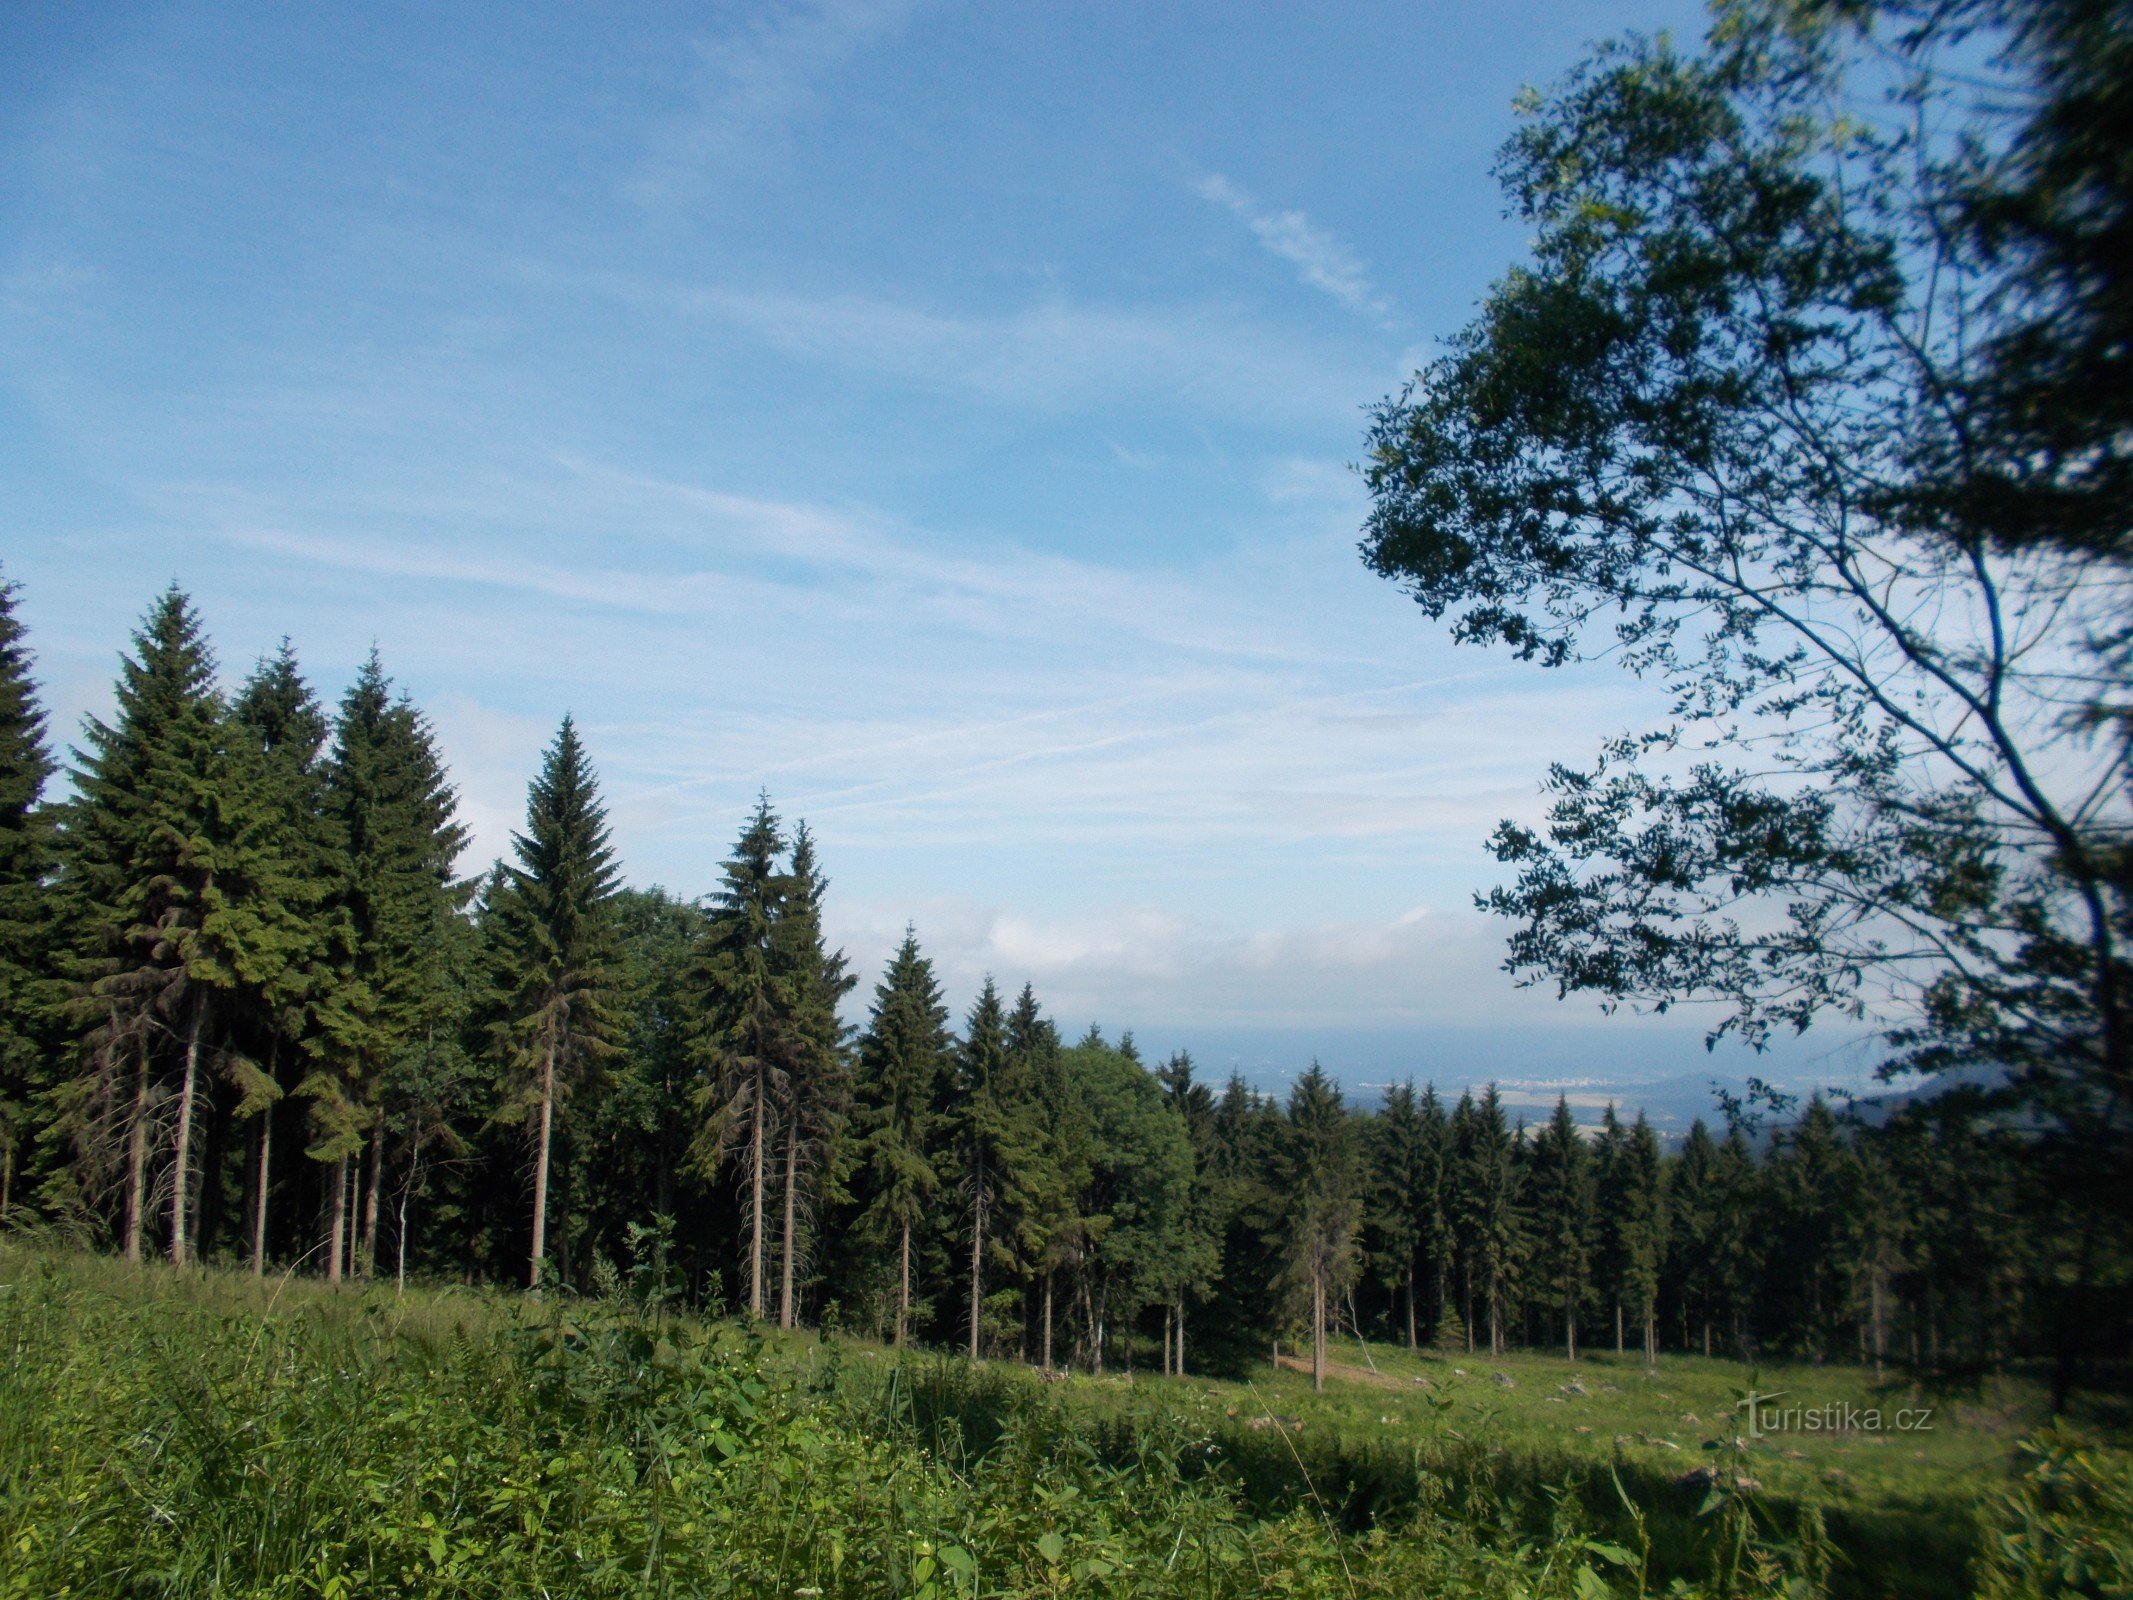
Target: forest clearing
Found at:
204, 1432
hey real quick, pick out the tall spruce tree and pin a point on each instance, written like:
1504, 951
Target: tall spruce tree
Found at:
170, 836
1491, 1181
25, 864
1691, 1215
1562, 1199
1633, 1202
903, 1056
1399, 1180
1199, 1255
748, 1001
817, 1078
992, 1137
393, 829
1058, 1209
283, 730
1324, 1183
557, 950
1812, 1190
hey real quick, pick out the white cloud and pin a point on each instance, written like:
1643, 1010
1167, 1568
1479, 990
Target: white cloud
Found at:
1320, 260
1143, 965
1055, 354
1195, 720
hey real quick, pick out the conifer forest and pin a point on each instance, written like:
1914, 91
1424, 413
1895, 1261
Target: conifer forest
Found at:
254, 1017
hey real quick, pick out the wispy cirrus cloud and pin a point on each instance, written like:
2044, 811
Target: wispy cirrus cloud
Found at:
1320, 260
752, 84
1053, 354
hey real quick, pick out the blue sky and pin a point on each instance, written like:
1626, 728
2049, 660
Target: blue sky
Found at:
938, 415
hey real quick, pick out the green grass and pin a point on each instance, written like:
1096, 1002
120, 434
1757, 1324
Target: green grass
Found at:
204, 1434
1900, 1504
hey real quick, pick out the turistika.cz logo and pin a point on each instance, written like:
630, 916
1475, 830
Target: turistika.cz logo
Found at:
1767, 1416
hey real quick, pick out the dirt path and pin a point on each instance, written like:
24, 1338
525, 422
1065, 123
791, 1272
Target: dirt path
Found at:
1347, 1373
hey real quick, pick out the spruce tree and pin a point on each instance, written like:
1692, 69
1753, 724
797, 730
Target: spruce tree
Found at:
1492, 1182
25, 865
817, 1080
1693, 1201
1461, 1207
171, 839
1617, 1216
1322, 1177
744, 1034
992, 1136
1562, 1199
282, 729
1399, 1177
1060, 1222
1639, 1206
1736, 1238
556, 945
393, 831
903, 1056
1432, 1207
1200, 1242
1812, 1189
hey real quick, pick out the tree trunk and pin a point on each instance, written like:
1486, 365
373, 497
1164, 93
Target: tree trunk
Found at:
1570, 1331
755, 1199
338, 1230
181, 1185
977, 1263
1318, 1333
1048, 1322
792, 1187
370, 1196
1412, 1342
266, 1188
137, 1160
903, 1284
400, 1226
1618, 1327
1881, 1332
540, 1168
1181, 1336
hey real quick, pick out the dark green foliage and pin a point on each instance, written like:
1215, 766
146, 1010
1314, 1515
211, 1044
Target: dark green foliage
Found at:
553, 938
987, 1113
817, 1075
1321, 1174
746, 999
184, 906
282, 730
1562, 1194
25, 865
1141, 1247
903, 1057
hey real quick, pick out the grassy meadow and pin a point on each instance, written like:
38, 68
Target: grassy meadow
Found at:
204, 1434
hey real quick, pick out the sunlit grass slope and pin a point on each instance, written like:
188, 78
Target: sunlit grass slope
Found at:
203, 1434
